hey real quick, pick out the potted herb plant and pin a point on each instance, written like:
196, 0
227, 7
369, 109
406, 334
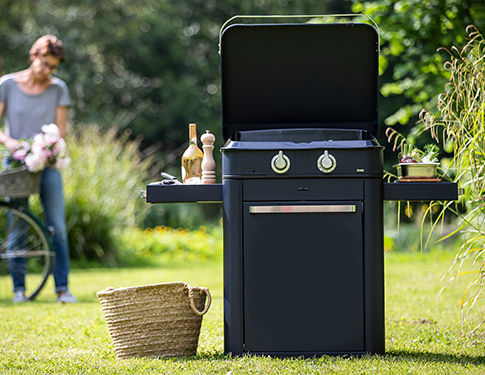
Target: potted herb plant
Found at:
417, 164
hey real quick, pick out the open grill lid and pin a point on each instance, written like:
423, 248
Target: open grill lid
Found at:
281, 76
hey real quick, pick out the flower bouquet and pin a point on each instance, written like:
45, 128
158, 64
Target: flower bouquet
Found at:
47, 149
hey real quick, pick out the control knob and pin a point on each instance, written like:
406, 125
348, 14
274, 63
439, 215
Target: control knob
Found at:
326, 162
280, 163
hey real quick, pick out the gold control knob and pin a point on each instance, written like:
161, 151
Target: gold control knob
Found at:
280, 163
326, 162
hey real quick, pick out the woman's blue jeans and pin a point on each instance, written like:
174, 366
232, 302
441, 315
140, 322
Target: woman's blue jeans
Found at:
52, 199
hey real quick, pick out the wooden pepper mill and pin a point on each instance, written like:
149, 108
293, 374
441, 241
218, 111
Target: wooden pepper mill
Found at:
208, 163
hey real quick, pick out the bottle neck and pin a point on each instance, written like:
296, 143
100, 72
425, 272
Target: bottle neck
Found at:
193, 133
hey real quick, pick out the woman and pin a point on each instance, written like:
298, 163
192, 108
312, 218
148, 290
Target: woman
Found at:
32, 98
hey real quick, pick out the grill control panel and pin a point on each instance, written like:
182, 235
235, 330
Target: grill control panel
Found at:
280, 163
326, 162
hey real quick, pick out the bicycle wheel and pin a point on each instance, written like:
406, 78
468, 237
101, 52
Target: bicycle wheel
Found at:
25, 248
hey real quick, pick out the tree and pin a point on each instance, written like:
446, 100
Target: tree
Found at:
148, 65
412, 72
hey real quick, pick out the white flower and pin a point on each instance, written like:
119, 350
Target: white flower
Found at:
51, 134
62, 162
59, 148
51, 130
39, 150
38, 140
34, 162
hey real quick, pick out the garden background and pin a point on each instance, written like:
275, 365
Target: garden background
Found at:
139, 71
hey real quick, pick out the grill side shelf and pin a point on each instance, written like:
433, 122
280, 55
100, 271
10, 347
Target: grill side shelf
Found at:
420, 191
393, 191
158, 193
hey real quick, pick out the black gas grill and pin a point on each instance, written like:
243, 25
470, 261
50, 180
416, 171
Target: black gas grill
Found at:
303, 242
302, 190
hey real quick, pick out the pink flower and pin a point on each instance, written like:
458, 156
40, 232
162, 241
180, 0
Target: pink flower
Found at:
20, 154
25, 145
47, 149
40, 151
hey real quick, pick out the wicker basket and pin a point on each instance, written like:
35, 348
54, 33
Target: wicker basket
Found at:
161, 320
19, 182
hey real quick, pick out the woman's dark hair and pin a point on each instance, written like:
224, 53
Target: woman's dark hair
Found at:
48, 45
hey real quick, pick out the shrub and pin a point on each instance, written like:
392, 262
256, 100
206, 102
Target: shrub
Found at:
186, 215
162, 243
101, 188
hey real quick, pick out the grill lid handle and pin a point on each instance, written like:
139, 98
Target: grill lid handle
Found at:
309, 16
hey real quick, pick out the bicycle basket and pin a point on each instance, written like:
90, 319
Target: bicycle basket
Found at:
19, 182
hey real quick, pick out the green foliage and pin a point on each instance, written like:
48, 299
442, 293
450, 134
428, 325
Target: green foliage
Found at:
163, 244
101, 188
411, 30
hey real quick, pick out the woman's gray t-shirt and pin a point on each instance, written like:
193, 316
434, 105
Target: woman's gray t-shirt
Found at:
25, 113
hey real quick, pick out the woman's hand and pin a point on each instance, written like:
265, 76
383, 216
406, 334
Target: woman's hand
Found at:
11, 144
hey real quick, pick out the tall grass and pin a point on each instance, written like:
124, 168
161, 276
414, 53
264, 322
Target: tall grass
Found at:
460, 125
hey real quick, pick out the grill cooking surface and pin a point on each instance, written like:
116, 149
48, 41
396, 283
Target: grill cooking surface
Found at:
301, 135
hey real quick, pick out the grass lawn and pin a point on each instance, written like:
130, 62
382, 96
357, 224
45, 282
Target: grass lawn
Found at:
423, 333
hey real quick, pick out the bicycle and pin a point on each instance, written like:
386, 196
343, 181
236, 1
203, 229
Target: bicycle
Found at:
25, 243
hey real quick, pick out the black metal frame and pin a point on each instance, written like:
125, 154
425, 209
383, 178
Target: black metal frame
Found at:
391, 191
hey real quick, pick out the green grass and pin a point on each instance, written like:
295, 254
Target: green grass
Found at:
423, 333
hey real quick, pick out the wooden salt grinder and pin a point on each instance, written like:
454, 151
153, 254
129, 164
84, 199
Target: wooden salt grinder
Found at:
208, 163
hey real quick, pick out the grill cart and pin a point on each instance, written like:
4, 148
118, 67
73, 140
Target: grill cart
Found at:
302, 190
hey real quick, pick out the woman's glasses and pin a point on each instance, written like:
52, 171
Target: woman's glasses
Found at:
50, 67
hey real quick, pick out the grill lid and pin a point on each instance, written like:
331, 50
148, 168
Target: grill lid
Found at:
277, 76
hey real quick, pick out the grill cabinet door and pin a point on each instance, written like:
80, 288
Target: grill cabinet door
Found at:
303, 277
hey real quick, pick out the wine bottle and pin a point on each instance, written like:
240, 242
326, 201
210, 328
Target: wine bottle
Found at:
192, 159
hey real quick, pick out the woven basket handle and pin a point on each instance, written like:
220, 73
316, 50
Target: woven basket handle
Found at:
192, 305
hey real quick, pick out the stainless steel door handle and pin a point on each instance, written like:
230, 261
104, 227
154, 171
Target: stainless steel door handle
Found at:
302, 209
